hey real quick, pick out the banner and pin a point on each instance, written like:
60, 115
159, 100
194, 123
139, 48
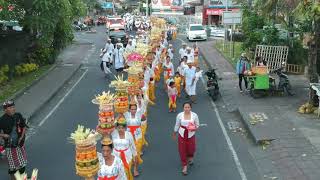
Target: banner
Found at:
167, 6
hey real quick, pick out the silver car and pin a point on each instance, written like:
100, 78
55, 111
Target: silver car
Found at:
217, 31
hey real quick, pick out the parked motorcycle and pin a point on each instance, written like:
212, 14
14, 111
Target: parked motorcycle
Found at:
284, 83
212, 84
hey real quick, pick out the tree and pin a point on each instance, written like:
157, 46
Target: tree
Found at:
308, 14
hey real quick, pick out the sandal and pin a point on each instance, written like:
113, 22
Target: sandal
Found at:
190, 163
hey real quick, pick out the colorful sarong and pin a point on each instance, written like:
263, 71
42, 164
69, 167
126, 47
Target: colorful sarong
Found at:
17, 158
172, 102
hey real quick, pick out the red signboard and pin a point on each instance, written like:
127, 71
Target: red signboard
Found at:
218, 12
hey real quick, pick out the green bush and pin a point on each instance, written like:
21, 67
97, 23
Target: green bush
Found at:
297, 54
23, 69
41, 56
4, 74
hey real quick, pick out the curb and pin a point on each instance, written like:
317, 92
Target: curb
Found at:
22, 91
32, 114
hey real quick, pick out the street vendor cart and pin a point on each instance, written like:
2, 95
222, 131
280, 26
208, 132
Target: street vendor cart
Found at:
260, 82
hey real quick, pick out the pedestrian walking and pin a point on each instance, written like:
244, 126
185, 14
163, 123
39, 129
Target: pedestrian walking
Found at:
187, 123
190, 75
183, 50
190, 55
178, 82
195, 52
119, 58
13, 130
170, 51
111, 167
168, 69
172, 95
124, 146
133, 118
130, 48
241, 67
198, 75
106, 62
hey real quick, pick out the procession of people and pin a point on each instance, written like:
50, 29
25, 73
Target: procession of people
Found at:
128, 140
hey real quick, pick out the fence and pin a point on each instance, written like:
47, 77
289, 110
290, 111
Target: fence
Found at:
273, 55
295, 69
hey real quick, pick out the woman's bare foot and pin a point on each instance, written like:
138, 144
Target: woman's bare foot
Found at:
185, 170
136, 173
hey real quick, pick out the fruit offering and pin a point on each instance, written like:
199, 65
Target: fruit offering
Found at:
121, 104
87, 163
106, 119
119, 83
135, 81
104, 98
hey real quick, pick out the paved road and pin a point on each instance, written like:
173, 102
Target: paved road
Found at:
49, 150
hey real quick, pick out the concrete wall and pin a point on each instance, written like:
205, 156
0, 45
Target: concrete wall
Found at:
13, 48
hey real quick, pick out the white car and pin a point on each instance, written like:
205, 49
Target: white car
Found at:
196, 32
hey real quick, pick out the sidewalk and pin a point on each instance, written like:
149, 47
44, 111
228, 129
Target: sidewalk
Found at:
294, 149
30, 100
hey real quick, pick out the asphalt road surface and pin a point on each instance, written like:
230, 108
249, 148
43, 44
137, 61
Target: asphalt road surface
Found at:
48, 149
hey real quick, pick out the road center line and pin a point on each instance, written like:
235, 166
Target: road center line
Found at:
62, 99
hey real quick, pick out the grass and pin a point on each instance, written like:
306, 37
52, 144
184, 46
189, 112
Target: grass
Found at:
226, 51
19, 83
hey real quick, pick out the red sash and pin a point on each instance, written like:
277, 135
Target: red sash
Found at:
133, 129
107, 178
123, 157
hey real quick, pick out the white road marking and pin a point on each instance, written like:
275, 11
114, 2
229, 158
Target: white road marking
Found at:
61, 100
226, 136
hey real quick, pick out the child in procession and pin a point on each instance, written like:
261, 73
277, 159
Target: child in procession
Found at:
172, 94
178, 82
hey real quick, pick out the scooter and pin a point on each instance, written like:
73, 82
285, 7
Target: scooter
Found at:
284, 83
212, 84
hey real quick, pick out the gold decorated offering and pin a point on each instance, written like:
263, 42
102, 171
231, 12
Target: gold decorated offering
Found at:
87, 163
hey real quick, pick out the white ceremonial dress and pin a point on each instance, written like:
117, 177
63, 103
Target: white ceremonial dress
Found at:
189, 74
134, 123
181, 121
118, 58
116, 170
197, 77
126, 145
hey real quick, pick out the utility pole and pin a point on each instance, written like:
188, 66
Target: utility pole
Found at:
147, 8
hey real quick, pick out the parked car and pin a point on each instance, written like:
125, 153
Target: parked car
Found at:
118, 33
196, 32
115, 22
217, 31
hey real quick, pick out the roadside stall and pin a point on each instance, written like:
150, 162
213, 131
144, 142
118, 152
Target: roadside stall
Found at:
259, 80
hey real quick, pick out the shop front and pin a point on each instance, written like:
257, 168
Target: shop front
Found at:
213, 15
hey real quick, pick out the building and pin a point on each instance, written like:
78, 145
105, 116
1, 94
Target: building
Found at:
213, 10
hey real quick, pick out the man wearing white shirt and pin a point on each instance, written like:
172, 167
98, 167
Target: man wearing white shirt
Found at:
130, 48
118, 58
170, 52
109, 47
190, 75
183, 50
190, 55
